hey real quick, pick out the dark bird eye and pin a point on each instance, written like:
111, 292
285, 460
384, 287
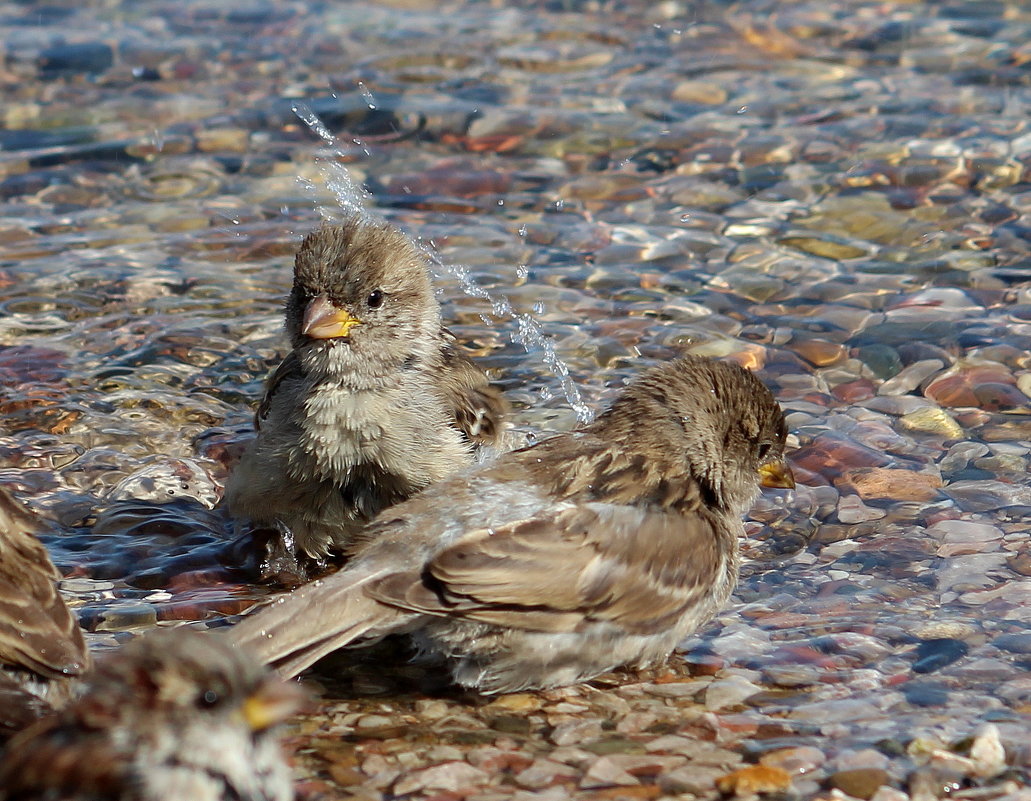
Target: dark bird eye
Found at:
764, 449
210, 698
375, 299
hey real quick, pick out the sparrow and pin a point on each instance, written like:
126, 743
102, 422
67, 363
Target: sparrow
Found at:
591, 550
174, 714
42, 650
374, 402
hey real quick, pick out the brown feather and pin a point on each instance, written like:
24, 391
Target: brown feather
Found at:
523, 576
40, 638
478, 406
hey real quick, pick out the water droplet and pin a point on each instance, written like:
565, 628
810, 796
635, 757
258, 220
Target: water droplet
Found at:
370, 100
349, 196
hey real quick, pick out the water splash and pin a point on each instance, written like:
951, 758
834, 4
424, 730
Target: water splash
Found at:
350, 197
529, 334
528, 331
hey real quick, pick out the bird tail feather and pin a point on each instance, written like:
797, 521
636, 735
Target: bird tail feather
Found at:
297, 629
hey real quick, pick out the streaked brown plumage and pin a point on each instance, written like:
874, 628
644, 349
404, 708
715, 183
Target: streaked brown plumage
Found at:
375, 401
175, 714
590, 550
42, 650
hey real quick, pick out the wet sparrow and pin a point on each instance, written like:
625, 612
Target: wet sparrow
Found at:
590, 550
42, 651
375, 401
175, 715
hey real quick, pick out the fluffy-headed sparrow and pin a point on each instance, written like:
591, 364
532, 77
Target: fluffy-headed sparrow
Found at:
375, 401
42, 651
591, 550
175, 714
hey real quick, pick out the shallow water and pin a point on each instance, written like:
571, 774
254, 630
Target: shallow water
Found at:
833, 194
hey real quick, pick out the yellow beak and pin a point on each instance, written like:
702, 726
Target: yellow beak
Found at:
323, 320
272, 703
776, 475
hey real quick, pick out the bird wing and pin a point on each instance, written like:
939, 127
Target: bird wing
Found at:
478, 406
18, 707
38, 763
37, 630
290, 367
636, 567
294, 630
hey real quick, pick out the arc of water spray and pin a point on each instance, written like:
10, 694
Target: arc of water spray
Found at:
528, 333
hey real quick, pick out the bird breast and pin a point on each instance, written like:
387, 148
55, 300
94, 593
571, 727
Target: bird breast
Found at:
400, 430
343, 428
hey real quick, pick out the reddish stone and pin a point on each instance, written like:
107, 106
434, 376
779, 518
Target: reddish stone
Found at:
853, 391
989, 387
807, 477
831, 454
885, 483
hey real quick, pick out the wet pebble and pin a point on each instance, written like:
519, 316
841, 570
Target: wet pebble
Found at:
964, 531
755, 779
859, 782
89, 58
818, 352
877, 483
925, 694
797, 760
932, 420
830, 454
1019, 643
728, 692
576, 731
544, 773
696, 780
119, 617
987, 496
932, 655
449, 776
852, 510
910, 377
888, 793
986, 387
